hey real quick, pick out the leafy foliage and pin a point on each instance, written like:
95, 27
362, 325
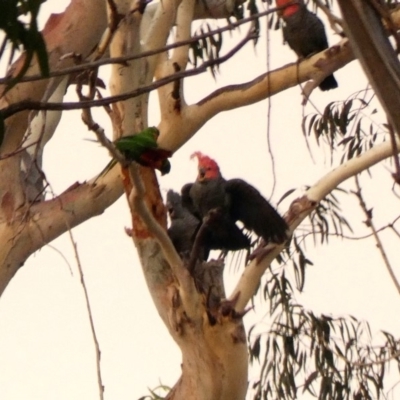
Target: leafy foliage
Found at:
327, 218
23, 35
154, 393
207, 47
330, 358
20, 34
346, 124
210, 40
253, 11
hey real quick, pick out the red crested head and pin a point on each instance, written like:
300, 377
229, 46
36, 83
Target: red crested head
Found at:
289, 10
208, 168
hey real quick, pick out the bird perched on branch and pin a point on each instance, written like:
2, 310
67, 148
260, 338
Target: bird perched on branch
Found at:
183, 224
142, 148
224, 202
305, 34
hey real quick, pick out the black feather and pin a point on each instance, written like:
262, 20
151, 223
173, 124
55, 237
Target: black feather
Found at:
254, 211
305, 34
227, 202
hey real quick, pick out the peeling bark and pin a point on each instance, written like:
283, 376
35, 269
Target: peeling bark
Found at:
30, 227
60, 35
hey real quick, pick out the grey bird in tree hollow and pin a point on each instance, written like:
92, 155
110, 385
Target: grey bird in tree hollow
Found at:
305, 34
224, 202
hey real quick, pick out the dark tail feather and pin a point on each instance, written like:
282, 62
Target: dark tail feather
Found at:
328, 83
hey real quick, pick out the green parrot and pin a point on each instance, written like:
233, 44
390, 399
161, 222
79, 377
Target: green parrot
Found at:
142, 148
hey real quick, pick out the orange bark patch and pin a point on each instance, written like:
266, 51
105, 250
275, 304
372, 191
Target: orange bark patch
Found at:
7, 206
153, 201
126, 181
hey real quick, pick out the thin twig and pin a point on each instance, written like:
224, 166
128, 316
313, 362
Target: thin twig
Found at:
392, 133
356, 364
124, 59
332, 18
61, 254
89, 310
390, 225
37, 105
113, 20
369, 222
98, 130
269, 116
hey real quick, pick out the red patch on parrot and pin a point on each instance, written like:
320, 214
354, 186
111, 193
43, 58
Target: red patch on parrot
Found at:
152, 157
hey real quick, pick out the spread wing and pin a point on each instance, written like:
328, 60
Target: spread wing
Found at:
222, 233
254, 211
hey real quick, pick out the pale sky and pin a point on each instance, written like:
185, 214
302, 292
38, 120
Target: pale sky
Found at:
46, 348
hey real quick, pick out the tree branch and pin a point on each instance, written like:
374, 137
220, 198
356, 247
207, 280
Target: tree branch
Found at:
59, 42
264, 86
203, 9
51, 218
183, 32
66, 106
34, 225
123, 59
235, 96
273, 82
189, 295
158, 30
301, 208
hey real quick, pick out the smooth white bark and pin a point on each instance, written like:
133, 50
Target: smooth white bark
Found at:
302, 207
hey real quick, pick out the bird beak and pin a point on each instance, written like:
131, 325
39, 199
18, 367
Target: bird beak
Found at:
202, 174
